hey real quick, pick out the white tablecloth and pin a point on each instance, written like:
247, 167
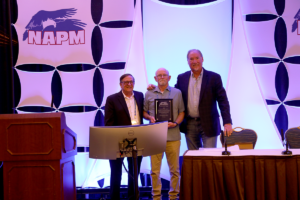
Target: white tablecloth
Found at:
236, 152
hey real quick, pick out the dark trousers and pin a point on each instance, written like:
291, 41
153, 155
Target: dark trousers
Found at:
116, 175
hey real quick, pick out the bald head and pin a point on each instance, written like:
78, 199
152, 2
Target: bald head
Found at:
163, 70
162, 78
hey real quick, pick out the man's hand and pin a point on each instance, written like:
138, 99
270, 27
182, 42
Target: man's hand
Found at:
152, 119
151, 87
227, 129
148, 117
171, 124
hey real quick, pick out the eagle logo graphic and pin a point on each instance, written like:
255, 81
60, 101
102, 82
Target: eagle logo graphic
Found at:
295, 24
57, 20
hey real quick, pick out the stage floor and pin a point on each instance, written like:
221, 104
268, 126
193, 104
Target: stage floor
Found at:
103, 193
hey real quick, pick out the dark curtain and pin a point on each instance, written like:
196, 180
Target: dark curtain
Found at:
6, 99
5, 73
6, 77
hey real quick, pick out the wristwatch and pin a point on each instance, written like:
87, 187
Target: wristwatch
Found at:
176, 123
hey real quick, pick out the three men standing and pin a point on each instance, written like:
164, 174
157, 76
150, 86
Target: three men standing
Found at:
195, 99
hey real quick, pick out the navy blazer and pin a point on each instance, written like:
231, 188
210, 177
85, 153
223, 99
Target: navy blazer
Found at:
116, 111
212, 91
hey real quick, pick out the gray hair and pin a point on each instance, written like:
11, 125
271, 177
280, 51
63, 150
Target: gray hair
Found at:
124, 76
187, 56
162, 69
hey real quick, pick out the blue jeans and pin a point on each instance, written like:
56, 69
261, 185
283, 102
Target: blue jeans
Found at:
195, 137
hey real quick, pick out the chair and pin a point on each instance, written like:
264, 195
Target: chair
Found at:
292, 136
244, 138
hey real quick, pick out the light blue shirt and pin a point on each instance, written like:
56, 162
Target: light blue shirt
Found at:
194, 94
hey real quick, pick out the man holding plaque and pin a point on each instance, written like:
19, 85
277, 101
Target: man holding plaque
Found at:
165, 103
123, 108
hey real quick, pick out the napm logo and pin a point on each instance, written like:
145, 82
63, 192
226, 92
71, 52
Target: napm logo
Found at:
296, 24
54, 28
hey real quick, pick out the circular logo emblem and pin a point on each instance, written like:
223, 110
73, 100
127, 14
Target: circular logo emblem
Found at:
131, 133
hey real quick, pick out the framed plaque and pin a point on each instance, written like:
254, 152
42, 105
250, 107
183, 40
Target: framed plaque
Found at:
163, 109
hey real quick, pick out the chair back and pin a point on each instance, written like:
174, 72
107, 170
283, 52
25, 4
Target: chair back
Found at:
245, 138
292, 136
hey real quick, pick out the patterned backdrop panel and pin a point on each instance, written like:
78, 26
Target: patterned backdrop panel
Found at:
271, 30
116, 42
71, 54
54, 32
291, 16
35, 87
81, 123
266, 74
111, 82
264, 44
77, 92
116, 10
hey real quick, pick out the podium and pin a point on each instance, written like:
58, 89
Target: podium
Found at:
38, 152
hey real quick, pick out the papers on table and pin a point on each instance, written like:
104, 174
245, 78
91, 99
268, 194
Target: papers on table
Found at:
236, 152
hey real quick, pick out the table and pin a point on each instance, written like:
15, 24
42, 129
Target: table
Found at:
246, 174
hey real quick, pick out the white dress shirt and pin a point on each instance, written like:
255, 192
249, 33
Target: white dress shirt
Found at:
133, 109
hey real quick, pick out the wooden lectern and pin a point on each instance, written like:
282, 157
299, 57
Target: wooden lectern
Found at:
38, 152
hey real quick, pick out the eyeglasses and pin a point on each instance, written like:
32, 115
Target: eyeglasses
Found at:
162, 75
127, 82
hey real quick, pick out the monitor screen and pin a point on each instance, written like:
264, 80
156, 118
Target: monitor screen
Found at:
151, 139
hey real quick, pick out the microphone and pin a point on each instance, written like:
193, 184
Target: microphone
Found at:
226, 153
52, 103
286, 152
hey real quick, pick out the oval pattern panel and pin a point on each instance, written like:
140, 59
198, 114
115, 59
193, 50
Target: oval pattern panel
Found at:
271, 33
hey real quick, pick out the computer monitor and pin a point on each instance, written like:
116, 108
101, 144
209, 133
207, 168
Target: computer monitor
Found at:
104, 140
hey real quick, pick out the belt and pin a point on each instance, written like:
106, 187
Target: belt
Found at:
194, 118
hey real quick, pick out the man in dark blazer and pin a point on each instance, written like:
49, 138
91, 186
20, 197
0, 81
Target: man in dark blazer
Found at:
123, 108
201, 90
